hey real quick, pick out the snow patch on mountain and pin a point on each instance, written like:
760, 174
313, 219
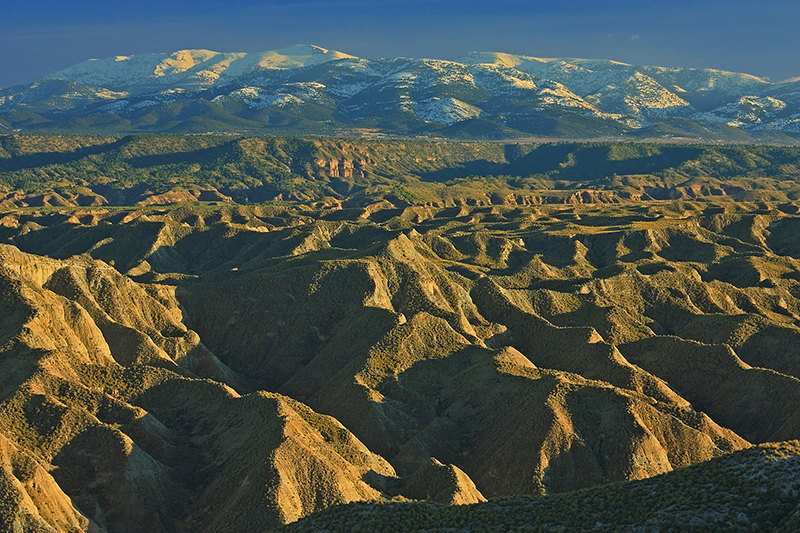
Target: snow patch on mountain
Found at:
132, 71
258, 98
705, 80
183, 60
114, 107
127, 105
348, 89
198, 68
436, 72
554, 94
499, 79
640, 96
588, 76
445, 111
747, 110
297, 56
788, 92
56, 95
498, 59
581, 76
789, 124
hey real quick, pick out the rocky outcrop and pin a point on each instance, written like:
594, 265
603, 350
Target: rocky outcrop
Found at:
343, 168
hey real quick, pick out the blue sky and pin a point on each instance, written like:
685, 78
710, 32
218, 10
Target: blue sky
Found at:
761, 38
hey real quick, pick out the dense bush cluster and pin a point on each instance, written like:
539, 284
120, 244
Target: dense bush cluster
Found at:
751, 490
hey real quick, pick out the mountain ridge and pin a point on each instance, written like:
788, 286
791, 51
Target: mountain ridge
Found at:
205, 65
309, 89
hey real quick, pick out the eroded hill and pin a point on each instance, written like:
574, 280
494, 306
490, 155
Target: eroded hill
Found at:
144, 170
240, 367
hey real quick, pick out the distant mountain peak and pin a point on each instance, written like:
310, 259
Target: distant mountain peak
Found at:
193, 67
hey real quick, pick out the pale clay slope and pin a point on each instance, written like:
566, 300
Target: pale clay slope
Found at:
126, 466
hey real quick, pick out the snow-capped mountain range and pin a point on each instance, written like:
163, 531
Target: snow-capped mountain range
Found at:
307, 89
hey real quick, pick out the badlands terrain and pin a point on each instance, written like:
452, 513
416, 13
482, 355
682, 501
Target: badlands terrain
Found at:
326, 335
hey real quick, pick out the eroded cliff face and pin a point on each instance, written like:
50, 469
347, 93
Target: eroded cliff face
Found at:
239, 368
345, 168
